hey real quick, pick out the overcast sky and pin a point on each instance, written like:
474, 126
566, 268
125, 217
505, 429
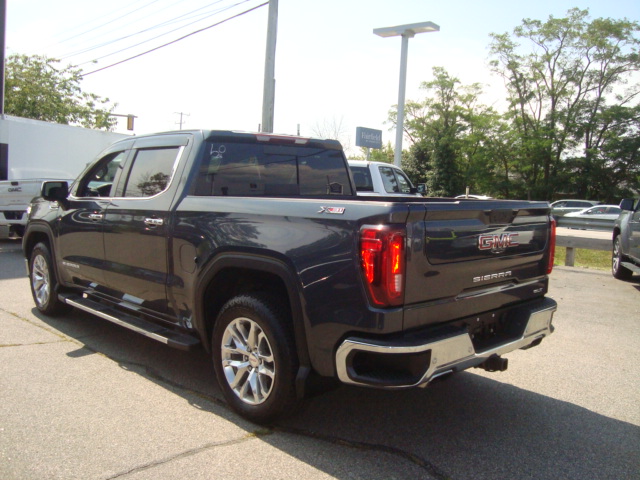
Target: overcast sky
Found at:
330, 67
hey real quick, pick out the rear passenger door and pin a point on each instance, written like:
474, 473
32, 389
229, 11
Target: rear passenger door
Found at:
136, 224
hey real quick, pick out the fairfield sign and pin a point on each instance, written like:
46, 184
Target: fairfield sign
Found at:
368, 137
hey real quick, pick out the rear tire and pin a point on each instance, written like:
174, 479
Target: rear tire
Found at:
255, 358
617, 269
44, 285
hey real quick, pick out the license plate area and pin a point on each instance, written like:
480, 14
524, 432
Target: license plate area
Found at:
496, 328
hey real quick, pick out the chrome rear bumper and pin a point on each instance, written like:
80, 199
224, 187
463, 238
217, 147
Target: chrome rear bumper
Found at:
436, 357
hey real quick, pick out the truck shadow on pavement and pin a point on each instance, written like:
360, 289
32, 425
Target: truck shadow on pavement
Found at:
464, 427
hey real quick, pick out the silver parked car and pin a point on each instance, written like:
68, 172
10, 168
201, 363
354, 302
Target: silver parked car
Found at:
559, 208
600, 217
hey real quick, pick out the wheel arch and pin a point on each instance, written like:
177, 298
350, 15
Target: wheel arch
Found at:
37, 233
621, 231
615, 233
232, 274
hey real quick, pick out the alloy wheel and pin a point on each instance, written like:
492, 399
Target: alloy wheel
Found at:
41, 280
248, 361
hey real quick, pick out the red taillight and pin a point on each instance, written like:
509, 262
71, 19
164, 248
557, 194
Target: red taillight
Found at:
382, 255
552, 246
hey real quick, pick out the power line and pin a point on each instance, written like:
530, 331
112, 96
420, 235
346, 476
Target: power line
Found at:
163, 34
159, 25
107, 23
178, 39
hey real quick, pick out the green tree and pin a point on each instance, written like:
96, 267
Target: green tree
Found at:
448, 134
36, 87
384, 154
611, 168
561, 82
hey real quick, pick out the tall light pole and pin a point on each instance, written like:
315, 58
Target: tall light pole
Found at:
269, 92
406, 32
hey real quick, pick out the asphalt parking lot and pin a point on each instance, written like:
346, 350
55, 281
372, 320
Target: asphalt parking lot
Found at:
81, 398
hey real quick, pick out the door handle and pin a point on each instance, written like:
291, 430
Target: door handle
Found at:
96, 216
153, 222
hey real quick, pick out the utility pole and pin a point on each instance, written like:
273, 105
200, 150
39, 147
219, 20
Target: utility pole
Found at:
182, 115
269, 92
3, 29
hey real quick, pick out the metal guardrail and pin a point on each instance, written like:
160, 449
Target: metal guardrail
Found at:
586, 223
581, 239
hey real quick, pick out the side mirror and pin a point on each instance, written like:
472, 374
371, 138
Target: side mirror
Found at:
627, 204
55, 191
422, 188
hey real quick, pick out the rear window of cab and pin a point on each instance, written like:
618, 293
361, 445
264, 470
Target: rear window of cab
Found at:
254, 169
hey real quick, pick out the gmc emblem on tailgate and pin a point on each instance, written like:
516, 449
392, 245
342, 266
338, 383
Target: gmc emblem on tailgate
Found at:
497, 242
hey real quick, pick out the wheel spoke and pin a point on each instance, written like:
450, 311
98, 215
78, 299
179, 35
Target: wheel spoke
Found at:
236, 376
242, 391
237, 335
254, 334
264, 348
255, 387
266, 371
234, 350
236, 364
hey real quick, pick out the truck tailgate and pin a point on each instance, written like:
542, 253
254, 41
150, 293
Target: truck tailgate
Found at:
476, 257
18, 192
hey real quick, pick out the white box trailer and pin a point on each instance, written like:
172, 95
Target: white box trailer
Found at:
32, 151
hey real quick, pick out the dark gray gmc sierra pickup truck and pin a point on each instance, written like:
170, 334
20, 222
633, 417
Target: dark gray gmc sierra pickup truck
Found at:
256, 248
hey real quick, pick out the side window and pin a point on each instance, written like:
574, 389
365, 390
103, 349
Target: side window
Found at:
362, 177
98, 182
389, 180
151, 171
403, 182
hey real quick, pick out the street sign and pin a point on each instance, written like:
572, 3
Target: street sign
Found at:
368, 137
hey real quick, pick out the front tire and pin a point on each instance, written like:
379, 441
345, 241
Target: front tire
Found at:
44, 284
255, 358
617, 269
